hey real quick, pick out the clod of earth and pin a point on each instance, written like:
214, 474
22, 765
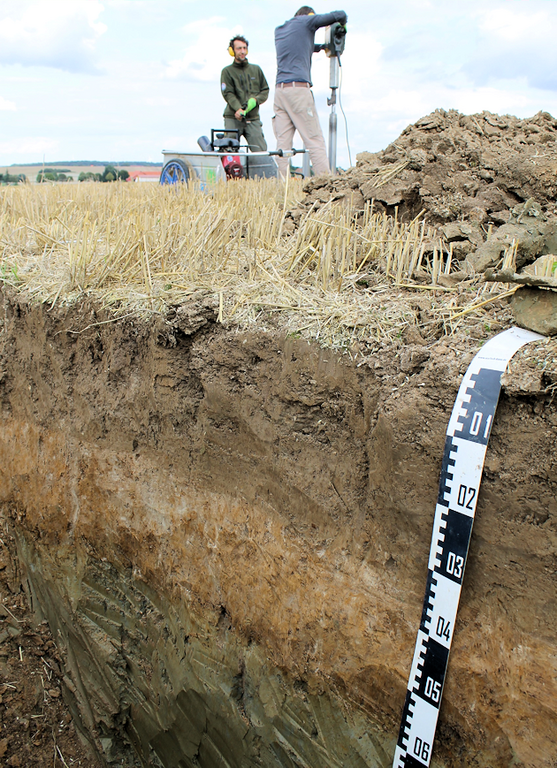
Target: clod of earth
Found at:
536, 309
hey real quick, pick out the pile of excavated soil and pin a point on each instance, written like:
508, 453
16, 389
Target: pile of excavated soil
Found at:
466, 174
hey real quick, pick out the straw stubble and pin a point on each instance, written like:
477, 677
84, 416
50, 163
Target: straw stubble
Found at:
340, 277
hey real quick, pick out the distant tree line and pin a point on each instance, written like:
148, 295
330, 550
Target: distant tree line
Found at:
110, 173
53, 174
11, 178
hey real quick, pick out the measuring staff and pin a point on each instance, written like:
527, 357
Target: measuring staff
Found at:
461, 473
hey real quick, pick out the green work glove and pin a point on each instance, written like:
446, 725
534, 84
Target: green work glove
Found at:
251, 105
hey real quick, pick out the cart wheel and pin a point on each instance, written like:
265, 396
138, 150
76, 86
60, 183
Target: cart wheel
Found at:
174, 172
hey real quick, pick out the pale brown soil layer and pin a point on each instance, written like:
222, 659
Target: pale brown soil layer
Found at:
228, 534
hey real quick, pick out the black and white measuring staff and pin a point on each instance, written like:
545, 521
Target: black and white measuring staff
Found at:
461, 472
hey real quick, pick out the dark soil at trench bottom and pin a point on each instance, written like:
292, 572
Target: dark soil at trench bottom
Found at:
36, 728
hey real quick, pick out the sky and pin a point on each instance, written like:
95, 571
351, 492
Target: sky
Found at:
121, 80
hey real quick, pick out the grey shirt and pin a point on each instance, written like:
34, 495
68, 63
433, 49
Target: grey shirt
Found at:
294, 41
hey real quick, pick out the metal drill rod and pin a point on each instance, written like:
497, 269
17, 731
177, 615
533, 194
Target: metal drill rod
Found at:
332, 102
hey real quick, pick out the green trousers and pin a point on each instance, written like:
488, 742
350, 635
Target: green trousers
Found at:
252, 130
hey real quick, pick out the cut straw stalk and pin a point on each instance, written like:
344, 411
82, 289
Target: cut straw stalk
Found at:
481, 304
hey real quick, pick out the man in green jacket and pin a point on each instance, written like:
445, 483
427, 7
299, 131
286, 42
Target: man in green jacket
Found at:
244, 88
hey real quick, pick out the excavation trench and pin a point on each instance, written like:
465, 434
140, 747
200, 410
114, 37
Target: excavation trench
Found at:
228, 534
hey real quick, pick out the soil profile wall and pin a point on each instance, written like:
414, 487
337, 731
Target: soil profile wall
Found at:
228, 534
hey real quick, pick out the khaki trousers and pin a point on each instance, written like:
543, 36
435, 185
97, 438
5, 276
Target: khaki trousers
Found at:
295, 111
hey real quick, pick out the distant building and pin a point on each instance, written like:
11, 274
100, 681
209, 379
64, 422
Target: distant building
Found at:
144, 175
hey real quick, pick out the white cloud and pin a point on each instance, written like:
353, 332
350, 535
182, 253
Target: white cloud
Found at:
206, 54
511, 26
8, 106
57, 33
409, 105
361, 65
470, 101
514, 44
163, 89
29, 146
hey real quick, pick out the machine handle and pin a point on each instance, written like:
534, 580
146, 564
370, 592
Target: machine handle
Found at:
287, 152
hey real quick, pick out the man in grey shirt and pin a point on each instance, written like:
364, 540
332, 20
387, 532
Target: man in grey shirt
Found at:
294, 104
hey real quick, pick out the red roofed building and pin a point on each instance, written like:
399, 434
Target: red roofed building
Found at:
146, 175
